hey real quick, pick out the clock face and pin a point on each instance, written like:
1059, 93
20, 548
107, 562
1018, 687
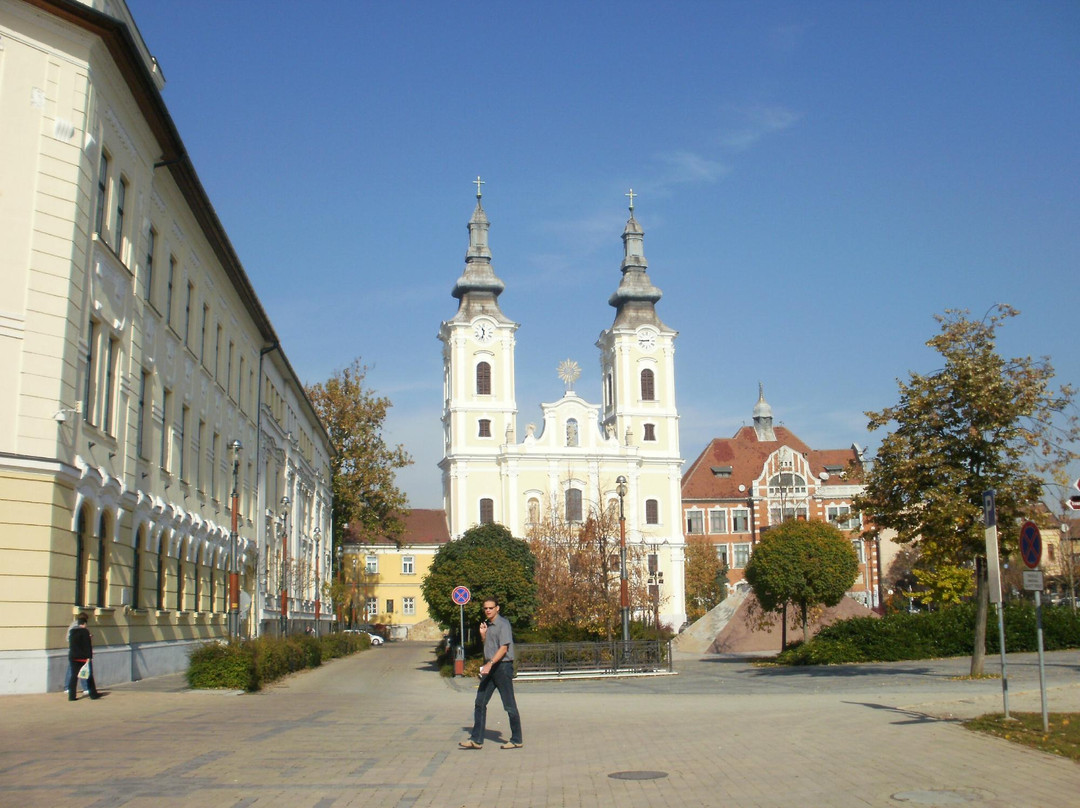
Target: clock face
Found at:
646, 340
484, 332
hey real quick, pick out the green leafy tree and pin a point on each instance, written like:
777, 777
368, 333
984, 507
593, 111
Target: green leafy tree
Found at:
804, 565
980, 422
491, 563
705, 577
366, 496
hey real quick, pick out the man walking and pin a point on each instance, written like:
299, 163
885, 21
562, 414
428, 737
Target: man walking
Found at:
80, 652
497, 673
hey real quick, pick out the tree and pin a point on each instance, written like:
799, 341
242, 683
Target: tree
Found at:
366, 497
981, 422
705, 577
491, 563
802, 564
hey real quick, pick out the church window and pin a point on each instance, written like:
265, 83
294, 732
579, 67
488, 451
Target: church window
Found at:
483, 379
652, 512
648, 385
487, 511
485, 428
609, 390
650, 431
573, 505
572, 432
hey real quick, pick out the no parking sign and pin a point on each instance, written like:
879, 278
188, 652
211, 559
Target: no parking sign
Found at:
1030, 544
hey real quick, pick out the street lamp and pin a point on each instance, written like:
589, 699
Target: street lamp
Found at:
624, 587
318, 598
341, 585
234, 576
284, 566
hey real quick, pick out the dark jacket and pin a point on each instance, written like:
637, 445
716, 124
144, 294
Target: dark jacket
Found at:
79, 645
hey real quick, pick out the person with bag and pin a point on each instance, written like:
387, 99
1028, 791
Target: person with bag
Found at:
80, 652
67, 673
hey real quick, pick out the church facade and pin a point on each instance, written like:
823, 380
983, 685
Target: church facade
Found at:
565, 469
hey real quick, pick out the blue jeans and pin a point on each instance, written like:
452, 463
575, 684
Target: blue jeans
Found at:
501, 678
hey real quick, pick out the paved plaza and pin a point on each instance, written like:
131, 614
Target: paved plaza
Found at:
381, 729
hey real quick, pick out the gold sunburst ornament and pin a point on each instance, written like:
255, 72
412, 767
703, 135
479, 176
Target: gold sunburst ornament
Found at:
569, 372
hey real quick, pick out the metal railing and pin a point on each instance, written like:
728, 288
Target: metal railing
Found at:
614, 658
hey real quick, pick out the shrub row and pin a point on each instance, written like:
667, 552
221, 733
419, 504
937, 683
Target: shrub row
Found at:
926, 635
250, 664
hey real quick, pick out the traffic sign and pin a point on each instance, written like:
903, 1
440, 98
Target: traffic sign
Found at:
461, 595
1074, 503
1030, 544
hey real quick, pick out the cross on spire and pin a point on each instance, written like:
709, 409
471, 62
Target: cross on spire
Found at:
631, 195
478, 182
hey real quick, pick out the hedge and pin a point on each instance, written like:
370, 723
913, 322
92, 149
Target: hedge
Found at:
250, 664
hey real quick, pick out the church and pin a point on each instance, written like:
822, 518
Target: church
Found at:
565, 468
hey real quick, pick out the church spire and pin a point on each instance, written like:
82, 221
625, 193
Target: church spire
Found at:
636, 297
763, 417
478, 288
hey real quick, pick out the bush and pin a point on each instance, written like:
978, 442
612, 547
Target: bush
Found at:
250, 664
222, 665
947, 632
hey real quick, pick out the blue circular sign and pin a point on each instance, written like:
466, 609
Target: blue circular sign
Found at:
461, 595
1030, 544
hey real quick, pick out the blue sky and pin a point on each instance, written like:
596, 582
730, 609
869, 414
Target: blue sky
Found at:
815, 180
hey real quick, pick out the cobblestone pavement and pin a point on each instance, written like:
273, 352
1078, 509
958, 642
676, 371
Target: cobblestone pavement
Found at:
381, 729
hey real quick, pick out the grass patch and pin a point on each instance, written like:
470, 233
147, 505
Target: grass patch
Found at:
1027, 728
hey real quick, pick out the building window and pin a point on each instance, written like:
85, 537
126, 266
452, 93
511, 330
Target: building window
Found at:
408, 606
487, 511
81, 559
408, 565
573, 505
180, 438
652, 512
389, 605
202, 335
842, 517
217, 354
786, 483
572, 438
91, 370
148, 267
103, 183
110, 374
857, 546
371, 564
485, 428
740, 520
121, 196
215, 453
162, 571
650, 431
200, 442
742, 555
372, 607
695, 522
140, 422
483, 379
136, 569
102, 560
718, 521
166, 420
609, 390
187, 314
722, 553
648, 385
169, 290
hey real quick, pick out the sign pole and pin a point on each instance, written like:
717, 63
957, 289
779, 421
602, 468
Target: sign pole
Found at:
461, 595
993, 581
1031, 553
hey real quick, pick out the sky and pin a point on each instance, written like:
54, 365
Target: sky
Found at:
815, 182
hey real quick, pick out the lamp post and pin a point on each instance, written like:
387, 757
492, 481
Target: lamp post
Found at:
1071, 563
624, 586
284, 566
341, 586
234, 576
318, 583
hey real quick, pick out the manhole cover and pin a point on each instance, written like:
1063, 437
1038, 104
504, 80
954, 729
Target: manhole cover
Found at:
938, 797
637, 775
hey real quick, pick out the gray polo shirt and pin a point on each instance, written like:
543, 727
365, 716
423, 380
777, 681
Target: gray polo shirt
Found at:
499, 633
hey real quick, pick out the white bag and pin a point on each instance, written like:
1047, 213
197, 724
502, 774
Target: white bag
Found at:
84, 671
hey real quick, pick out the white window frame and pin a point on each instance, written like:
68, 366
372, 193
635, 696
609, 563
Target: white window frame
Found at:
408, 565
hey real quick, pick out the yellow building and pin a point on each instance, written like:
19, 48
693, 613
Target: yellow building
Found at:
143, 382
383, 579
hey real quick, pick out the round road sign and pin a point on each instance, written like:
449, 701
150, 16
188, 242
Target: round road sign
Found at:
461, 595
1030, 544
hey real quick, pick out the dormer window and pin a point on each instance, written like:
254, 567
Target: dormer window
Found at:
721, 471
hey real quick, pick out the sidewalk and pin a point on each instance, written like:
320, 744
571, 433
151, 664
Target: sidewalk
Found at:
381, 729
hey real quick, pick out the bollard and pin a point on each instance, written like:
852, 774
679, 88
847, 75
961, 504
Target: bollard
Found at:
459, 662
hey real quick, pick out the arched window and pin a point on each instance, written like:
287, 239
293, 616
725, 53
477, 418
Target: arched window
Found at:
196, 579
483, 379
487, 511
650, 432
102, 559
648, 385
652, 512
484, 430
572, 438
180, 580
82, 550
573, 505
136, 569
162, 570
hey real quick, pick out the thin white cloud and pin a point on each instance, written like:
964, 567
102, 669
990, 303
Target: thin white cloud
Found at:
754, 123
687, 167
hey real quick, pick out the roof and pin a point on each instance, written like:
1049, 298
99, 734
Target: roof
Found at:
423, 527
745, 455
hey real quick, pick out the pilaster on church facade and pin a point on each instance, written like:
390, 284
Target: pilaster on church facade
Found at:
567, 462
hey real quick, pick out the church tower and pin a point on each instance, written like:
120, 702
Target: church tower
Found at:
637, 358
479, 406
